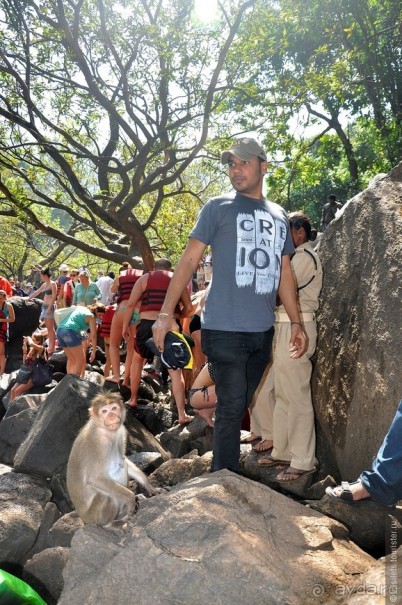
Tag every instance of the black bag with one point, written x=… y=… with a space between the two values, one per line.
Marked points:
x=42 y=372
x=24 y=374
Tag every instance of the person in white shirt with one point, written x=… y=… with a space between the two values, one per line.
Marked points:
x=104 y=282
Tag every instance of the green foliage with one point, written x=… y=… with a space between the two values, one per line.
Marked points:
x=106 y=104
x=113 y=114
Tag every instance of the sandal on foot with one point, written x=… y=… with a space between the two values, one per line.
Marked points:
x=346 y=493
x=261 y=447
x=295 y=475
x=269 y=461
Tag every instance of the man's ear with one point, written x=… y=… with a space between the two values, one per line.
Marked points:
x=263 y=167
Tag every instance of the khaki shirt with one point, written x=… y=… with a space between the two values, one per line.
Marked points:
x=304 y=270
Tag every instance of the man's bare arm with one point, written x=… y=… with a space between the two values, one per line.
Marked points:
x=181 y=276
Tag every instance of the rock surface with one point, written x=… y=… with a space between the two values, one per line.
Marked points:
x=221 y=539
x=356 y=381
x=23 y=501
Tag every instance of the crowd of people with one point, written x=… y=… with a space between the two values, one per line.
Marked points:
x=251 y=325
x=76 y=328
x=231 y=325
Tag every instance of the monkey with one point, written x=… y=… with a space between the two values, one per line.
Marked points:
x=98 y=470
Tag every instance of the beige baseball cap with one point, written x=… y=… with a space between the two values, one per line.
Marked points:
x=244 y=149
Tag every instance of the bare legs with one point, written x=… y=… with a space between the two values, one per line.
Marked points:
x=115 y=341
x=204 y=403
x=178 y=392
x=49 y=323
x=19 y=389
x=108 y=364
x=135 y=377
x=129 y=356
x=199 y=357
x=75 y=359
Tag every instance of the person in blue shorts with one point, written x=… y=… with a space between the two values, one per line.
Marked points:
x=72 y=332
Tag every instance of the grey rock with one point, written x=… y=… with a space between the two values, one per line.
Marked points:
x=139 y=439
x=147 y=461
x=47 y=447
x=356 y=380
x=378 y=585
x=13 y=432
x=155 y=417
x=220 y=538
x=60 y=493
x=179 y=440
x=180 y=470
x=22 y=504
x=44 y=572
x=25 y=402
x=26 y=321
x=50 y=515
x=63 y=530
x=368 y=522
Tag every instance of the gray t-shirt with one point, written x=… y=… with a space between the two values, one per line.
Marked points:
x=248 y=238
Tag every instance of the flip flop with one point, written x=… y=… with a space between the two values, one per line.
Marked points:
x=297 y=474
x=246 y=438
x=258 y=447
x=269 y=461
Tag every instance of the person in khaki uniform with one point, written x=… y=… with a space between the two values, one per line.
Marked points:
x=282 y=413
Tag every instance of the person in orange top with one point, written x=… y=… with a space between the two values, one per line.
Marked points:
x=6 y=316
x=6 y=286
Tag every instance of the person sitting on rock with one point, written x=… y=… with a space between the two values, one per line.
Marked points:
x=32 y=347
x=202 y=395
x=383 y=484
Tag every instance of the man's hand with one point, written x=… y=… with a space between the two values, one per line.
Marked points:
x=161 y=327
x=298 y=341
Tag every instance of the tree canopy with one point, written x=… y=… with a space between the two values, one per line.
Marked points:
x=112 y=113
x=104 y=105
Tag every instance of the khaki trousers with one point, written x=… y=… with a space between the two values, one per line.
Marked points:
x=282 y=409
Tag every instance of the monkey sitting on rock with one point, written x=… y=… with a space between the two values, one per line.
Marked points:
x=98 y=470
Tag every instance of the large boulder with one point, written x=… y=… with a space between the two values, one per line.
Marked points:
x=357 y=375
x=44 y=573
x=220 y=538
x=23 y=501
x=47 y=447
x=368 y=523
x=13 y=432
x=27 y=314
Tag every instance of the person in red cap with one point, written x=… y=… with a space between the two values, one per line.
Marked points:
x=251 y=249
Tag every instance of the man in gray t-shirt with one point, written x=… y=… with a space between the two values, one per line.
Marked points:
x=251 y=249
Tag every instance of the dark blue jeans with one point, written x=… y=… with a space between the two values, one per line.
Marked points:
x=384 y=482
x=238 y=362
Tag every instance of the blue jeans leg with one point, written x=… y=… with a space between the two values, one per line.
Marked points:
x=384 y=482
x=238 y=362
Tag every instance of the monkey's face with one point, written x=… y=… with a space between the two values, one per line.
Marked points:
x=111 y=416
